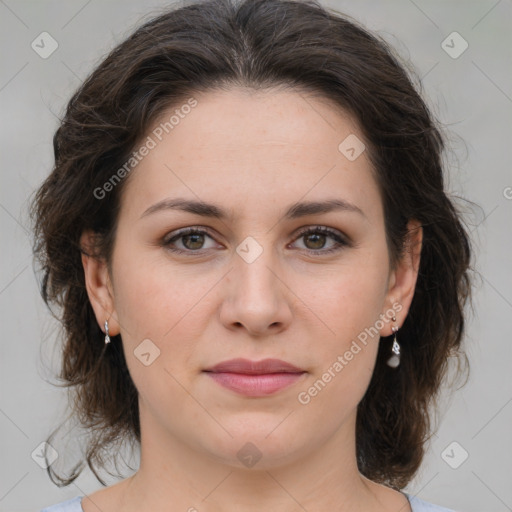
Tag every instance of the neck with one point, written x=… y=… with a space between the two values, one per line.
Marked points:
x=176 y=476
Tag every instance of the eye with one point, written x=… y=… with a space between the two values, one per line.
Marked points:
x=315 y=240
x=190 y=239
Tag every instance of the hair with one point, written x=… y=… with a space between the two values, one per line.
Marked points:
x=257 y=44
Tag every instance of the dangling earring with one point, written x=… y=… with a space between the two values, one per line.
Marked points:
x=394 y=360
x=107 y=337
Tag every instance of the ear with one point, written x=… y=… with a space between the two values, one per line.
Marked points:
x=98 y=284
x=402 y=281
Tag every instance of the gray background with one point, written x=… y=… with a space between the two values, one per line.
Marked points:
x=471 y=95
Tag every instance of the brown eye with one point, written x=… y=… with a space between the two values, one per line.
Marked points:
x=193 y=241
x=188 y=240
x=315 y=240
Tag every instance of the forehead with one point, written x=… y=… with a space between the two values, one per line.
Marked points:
x=241 y=144
x=239 y=118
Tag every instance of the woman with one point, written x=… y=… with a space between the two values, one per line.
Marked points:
x=261 y=276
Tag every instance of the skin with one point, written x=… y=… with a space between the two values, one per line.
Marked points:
x=254 y=154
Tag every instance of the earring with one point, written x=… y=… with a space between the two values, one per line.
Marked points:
x=394 y=360
x=107 y=337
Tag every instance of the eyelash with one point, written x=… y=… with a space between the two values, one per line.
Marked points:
x=341 y=242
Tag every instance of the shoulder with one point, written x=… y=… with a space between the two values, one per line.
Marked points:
x=72 y=505
x=418 y=505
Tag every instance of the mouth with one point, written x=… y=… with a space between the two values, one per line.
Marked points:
x=255 y=378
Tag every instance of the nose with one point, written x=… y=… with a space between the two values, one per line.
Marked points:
x=256 y=299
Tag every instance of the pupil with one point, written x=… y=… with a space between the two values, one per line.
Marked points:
x=319 y=238
x=196 y=236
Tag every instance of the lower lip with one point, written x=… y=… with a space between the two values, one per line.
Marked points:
x=255 y=385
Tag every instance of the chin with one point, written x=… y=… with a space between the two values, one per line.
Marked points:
x=258 y=448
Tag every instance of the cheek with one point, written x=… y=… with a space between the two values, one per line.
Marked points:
x=153 y=298
x=159 y=313
x=349 y=304
x=348 y=299
x=157 y=303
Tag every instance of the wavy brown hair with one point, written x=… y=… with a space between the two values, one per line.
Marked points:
x=257 y=44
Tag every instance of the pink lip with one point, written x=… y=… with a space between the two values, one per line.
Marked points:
x=249 y=367
x=255 y=378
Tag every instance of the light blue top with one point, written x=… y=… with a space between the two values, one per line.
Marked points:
x=417 y=505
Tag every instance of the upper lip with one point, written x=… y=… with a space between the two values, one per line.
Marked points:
x=249 y=367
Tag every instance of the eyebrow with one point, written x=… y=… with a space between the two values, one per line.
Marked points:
x=295 y=211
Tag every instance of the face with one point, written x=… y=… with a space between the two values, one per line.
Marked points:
x=265 y=277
